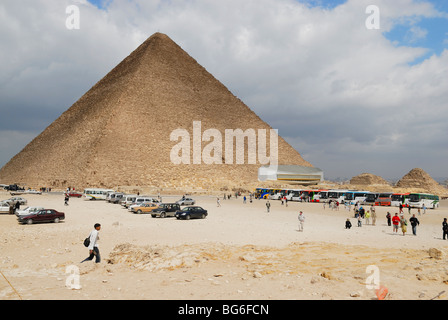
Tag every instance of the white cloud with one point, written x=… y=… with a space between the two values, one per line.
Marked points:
x=335 y=88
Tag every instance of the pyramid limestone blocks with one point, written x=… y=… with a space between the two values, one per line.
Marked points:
x=118 y=133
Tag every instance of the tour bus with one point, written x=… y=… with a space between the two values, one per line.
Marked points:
x=311 y=195
x=371 y=197
x=294 y=195
x=261 y=192
x=400 y=199
x=323 y=196
x=96 y=194
x=353 y=197
x=418 y=200
x=337 y=195
x=384 y=199
x=279 y=194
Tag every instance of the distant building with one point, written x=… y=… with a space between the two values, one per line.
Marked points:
x=291 y=173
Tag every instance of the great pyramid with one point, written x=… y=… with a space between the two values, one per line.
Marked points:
x=118 y=133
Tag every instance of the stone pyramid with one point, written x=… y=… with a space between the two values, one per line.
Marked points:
x=118 y=133
x=418 y=178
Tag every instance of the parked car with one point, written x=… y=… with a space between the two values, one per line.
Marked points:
x=128 y=199
x=4 y=207
x=186 y=202
x=19 y=200
x=28 y=211
x=165 y=210
x=143 y=199
x=75 y=194
x=145 y=207
x=114 y=197
x=46 y=215
x=191 y=212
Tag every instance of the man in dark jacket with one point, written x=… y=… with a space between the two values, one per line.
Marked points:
x=414 y=223
x=444 y=228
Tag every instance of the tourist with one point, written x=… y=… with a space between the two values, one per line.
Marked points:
x=218 y=202
x=359 y=220
x=268 y=206
x=404 y=225
x=395 y=222
x=445 y=228
x=93 y=245
x=388 y=216
x=348 y=224
x=414 y=223
x=301 y=221
x=424 y=209
x=367 y=216
x=373 y=214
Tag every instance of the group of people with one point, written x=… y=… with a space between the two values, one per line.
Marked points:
x=401 y=222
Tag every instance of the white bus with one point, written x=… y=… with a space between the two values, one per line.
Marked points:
x=96 y=194
x=336 y=195
x=354 y=197
x=400 y=199
x=418 y=200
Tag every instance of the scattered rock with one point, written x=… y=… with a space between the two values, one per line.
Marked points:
x=436 y=253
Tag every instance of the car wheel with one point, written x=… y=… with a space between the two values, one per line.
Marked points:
x=139 y=211
x=162 y=215
x=203 y=216
x=56 y=220
x=29 y=221
x=187 y=217
x=153 y=215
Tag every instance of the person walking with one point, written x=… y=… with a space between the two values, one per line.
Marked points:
x=93 y=245
x=395 y=222
x=268 y=206
x=373 y=213
x=445 y=228
x=389 y=220
x=404 y=225
x=218 y=202
x=301 y=221
x=414 y=223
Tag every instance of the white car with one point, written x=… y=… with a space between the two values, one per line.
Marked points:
x=28 y=210
x=186 y=202
x=19 y=200
x=4 y=207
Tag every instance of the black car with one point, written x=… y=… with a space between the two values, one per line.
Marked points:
x=191 y=212
x=165 y=210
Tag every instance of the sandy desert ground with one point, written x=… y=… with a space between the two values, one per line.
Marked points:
x=238 y=252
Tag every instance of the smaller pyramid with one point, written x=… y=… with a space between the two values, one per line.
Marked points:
x=368 y=179
x=419 y=179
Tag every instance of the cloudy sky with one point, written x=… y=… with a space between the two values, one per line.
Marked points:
x=353 y=90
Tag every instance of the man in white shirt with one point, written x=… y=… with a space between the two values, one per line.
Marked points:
x=93 y=246
x=301 y=221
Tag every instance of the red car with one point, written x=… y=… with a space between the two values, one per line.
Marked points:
x=46 y=215
x=74 y=194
